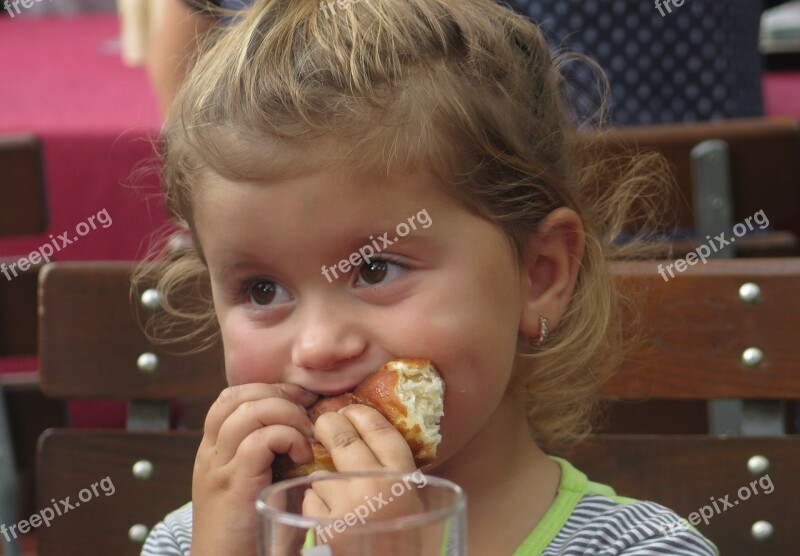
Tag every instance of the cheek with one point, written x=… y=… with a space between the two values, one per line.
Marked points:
x=471 y=326
x=474 y=342
x=249 y=356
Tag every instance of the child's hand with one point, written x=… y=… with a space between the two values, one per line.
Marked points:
x=244 y=429
x=359 y=438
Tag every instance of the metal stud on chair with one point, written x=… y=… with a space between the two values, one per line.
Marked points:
x=750 y=292
x=752 y=357
x=138 y=533
x=762 y=530
x=142 y=469
x=147 y=362
x=758 y=465
x=151 y=298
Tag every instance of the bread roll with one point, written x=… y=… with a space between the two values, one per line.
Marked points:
x=408 y=392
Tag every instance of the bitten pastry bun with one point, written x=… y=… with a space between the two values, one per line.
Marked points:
x=408 y=392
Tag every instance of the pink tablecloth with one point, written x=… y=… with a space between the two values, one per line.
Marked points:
x=62 y=79
x=782 y=94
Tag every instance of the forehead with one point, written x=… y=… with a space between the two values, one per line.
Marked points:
x=317 y=193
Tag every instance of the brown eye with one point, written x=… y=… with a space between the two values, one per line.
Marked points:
x=263 y=293
x=374 y=272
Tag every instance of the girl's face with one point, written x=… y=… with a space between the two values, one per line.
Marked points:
x=290 y=309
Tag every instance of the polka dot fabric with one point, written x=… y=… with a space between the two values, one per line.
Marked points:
x=700 y=62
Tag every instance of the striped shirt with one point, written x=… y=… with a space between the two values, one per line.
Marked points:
x=585 y=519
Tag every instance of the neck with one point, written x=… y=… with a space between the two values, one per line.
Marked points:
x=507 y=478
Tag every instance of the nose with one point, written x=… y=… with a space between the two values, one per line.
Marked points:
x=327 y=336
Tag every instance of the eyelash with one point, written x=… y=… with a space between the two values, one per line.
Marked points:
x=245 y=287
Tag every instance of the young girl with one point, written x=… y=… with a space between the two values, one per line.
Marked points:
x=300 y=137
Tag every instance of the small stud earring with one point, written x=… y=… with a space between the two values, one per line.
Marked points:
x=542 y=332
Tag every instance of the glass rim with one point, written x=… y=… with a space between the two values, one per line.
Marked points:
x=401 y=522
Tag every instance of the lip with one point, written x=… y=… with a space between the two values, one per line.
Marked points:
x=328 y=384
x=339 y=387
x=330 y=392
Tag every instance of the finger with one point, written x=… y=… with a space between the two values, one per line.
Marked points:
x=252 y=415
x=233 y=396
x=256 y=453
x=384 y=441
x=314 y=505
x=348 y=451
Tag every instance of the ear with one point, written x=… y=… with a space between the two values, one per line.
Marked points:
x=554 y=254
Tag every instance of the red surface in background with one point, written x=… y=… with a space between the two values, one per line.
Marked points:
x=62 y=79
x=782 y=94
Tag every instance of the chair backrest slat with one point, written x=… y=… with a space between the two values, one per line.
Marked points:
x=23 y=210
x=74 y=464
x=91 y=341
x=688 y=473
x=697 y=328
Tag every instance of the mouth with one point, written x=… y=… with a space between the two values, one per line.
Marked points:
x=332 y=392
x=336 y=386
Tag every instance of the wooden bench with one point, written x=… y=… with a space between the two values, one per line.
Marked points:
x=92 y=347
x=697 y=327
x=726 y=172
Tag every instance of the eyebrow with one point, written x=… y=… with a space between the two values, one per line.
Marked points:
x=245 y=263
x=237 y=266
x=413 y=236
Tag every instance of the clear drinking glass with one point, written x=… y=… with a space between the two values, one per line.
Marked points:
x=376 y=513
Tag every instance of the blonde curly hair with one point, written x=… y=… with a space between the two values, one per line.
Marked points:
x=469 y=90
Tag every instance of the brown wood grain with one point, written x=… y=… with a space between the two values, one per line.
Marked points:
x=685 y=472
x=695 y=329
x=70 y=461
x=91 y=337
x=764 y=157
x=18 y=318
x=23 y=210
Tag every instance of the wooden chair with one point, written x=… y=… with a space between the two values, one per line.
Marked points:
x=92 y=347
x=726 y=171
x=763 y=161
x=23 y=211
x=726 y=329
x=698 y=326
